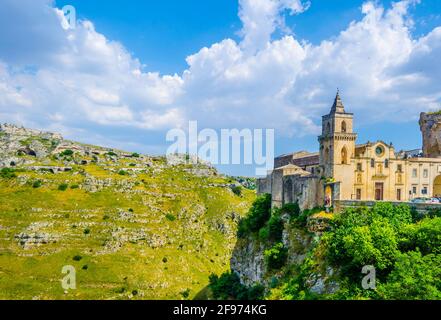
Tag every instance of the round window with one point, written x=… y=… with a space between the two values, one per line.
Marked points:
x=379 y=151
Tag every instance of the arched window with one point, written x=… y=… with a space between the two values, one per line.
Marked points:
x=326 y=154
x=380 y=168
x=343 y=126
x=359 y=179
x=344 y=156
x=328 y=128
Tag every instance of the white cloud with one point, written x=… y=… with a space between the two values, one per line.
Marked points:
x=260 y=18
x=79 y=79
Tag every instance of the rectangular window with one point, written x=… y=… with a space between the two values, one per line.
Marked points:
x=426 y=173
x=424 y=191
x=359 y=167
x=414 y=173
x=399 y=194
x=400 y=168
x=414 y=190
x=372 y=163
x=358 y=194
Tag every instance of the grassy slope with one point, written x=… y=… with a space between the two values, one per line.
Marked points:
x=124 y=251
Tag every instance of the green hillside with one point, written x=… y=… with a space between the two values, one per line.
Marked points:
x=133 y=226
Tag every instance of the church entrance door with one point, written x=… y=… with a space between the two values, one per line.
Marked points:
x=379 y=190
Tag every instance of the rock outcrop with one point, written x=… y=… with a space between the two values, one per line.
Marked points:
x=430 y=125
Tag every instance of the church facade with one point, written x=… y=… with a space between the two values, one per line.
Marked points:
x=345 y=170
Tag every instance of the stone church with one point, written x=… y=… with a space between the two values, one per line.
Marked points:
x=345 y=170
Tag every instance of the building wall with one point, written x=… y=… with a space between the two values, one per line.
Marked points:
x=307 y=191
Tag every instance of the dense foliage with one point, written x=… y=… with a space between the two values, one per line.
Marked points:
x=258 y=215
x=404 y=248
x=276 y=257
x=228 y=286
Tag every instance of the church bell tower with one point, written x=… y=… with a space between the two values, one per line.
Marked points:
x=337 y=146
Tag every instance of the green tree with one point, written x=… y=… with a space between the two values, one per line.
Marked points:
x=258 y=215
x=276 y=256
x=414 y=277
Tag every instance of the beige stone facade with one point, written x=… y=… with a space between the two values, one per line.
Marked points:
x=344 y=170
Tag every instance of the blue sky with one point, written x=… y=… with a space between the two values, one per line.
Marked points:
x=134 y=69
x=163 y=33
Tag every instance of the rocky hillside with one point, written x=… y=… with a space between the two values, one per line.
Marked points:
x=133 y=226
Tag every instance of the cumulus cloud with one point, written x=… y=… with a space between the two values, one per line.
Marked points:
x=78 y=80
x=260 y=18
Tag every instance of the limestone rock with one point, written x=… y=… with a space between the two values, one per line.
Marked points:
x=430 y=125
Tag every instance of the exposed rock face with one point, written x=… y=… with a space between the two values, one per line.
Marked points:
x=430 y=125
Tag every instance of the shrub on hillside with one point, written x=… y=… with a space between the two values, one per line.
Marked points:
x=275 y=257
x=37 y=184
x=67 y=153
x=258 y=215
x=293 y=209
x=237 y=190
x=275 y=228
x=228 y=286
x=63 y=187
x=7 y=173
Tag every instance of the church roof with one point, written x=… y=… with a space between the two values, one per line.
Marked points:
x=295 y=170
x=338 y=106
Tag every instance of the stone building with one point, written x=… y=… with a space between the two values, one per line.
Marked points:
x=344 y=170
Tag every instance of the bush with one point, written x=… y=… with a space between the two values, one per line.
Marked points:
x=275 y=257
x=293 y=209
x=7 y=173
x=228 y=286
x=258 y=215
x=77 y=258
x=135 y=155
x=237 y=190
x=275 y=228
x=63 y=187
x=86 y=231
x=424 y=236
x=264 y=234
x=74 y=186
x=111 y=154
x=170 y=217
x=301 y=219
x=67 y=153
x=185 y=294
x=122 y=173
x=37 y=184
